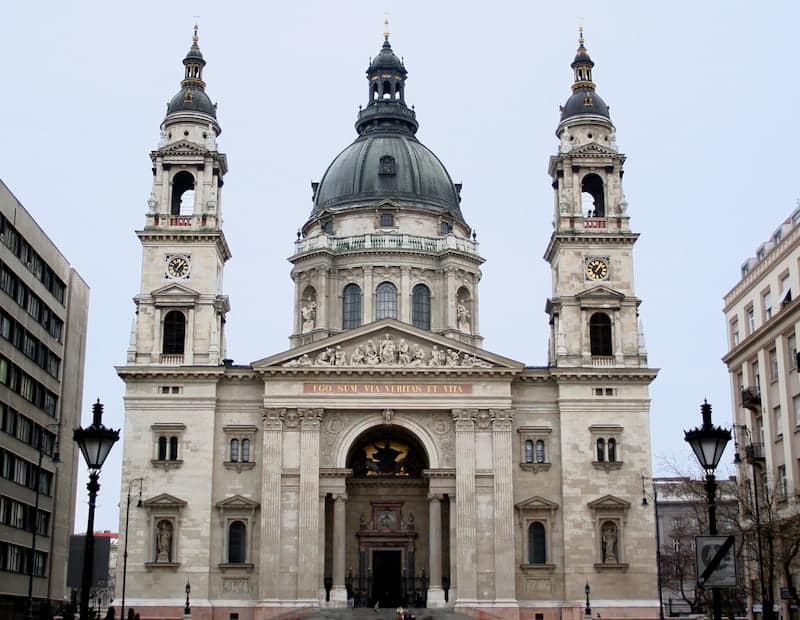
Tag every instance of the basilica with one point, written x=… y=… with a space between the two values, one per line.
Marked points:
x=387 y=457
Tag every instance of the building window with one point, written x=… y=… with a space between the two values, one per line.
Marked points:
x=601 y=450
x=734 y=332
x=600 y=334
x=239 y=440
x=174 y=333
x=326 y=227
x=537 y=544
x=533 y=446
x=612 y=450
x=167 y=439
x=606 y=445
x=237 y=534
x=777 y=418
x=796 y=404
x=351 y=306
x=767 y=301
x=751 y=320
x=773 y=364
x=387 y=165
x=446 y=228
x=783 y=484
x=791 y=346
x=421 y=307
x=386 y=220
x=386 y=301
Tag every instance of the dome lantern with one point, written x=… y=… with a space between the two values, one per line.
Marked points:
x=192 y=97
x=584 y=99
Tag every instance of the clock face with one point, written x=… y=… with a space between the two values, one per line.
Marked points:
x=178 y=267
x=597 y=269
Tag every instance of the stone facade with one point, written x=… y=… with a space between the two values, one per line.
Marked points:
x=386 y=456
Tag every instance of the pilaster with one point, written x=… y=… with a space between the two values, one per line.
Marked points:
x=270 y=550
x=308 y=517
x=464 y=420
x=504 y=580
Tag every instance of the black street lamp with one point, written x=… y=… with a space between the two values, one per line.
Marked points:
x=95 y=443
x=187 y=611
x=588 y=611
x=138 y=481
x=708 y=443
x=35 y=521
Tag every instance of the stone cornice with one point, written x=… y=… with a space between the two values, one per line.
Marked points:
x=159 y=234
x=198 y=374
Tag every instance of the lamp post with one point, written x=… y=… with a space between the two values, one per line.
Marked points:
x=658 y=544
x=708 y=443
x=34 y=525
x=588 y=611
x=752 y=459
x=95 y=443
x=187 y=611
x=138 y=481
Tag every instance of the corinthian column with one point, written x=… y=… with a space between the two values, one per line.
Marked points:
x=270 y=549
x=308 y=513
x=435 y=591
x=467 y=575
x=504 y=582
x=338 y=591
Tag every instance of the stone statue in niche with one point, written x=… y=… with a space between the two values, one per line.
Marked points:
x=462 y=317
x=164 y=542
x=309 y=313
x=563 y=202
x=623 y=203
x=609 y=542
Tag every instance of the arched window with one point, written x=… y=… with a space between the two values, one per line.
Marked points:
x=234 y=450
x=539 y=451
x=528 y=451
x=174 y=333
x=600 y=334
x=421 y=307
x=592 y=196
x=537 y=546
x=601 y=450
x=245 y=450
x=162 y=448
x=173 y=448
x=351 y=306
x=386 y=301
x=237 y=537
x=182 y=194
x=387 y=89
x=612 y=450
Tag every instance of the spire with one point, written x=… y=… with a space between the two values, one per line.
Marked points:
x=386 y=106
x=582 y=66
x=192 y=96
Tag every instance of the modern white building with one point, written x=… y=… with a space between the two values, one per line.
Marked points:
x=387 y=456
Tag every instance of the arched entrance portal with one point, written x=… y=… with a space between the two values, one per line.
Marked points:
x=387 y=543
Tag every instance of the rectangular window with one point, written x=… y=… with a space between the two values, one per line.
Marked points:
x=783 y=485
x=796 y=404
x=734 y=332
x=751 y=320
x=791 y=346
x=777 y=418
x=773 y=365
x=756 y=376
x=767 y=301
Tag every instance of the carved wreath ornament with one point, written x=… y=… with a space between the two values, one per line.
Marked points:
x=390 y=352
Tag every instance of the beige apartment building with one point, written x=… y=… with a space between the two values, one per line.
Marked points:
x=388 y=457
x=43 y=314
x=762 y=314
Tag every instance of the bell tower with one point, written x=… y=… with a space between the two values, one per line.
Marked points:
x=593 y=309
x=180 y=310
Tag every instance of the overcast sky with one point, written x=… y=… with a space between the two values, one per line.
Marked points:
x=703 y=96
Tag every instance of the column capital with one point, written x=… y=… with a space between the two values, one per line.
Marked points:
x=273 y=419
x=501 y=419
x=310 y=418
x=340 y=497
x=464 y=419
x=435 y=497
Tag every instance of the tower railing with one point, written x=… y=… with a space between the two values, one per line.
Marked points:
x=379 y=241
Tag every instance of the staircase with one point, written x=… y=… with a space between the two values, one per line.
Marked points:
x=368 y=613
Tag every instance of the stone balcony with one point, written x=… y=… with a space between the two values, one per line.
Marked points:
x=360 y=243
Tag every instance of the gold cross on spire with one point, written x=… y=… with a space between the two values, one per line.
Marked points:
x=386 y=26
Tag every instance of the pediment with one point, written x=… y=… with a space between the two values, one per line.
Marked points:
x=537 y=504
x=165 y=500
x=183 y=148
x=609 y=503
x=593 y=149
x=388 y=345
x=600 y=293
x=237 y=502
x=174 y=291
